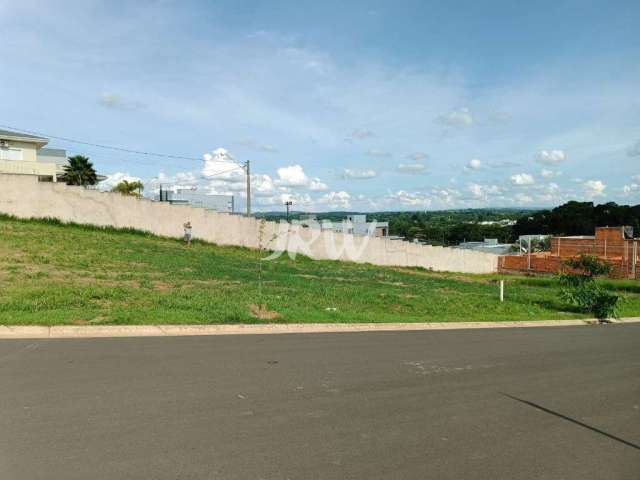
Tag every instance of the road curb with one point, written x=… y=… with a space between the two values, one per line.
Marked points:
x=105 y=331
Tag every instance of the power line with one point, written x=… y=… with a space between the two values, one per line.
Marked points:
x=111 y=147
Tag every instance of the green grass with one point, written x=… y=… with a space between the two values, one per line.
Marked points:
x=51 y=273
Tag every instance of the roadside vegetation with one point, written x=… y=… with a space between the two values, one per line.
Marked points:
x=52 y=273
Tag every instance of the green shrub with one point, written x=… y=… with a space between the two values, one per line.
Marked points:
x=579 y=287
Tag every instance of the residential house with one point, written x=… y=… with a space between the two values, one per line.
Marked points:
x=22 y=154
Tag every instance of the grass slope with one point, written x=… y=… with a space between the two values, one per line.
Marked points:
x=70 y=274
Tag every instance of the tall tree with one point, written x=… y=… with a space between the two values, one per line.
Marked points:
x=129 y=188
x=79 y=171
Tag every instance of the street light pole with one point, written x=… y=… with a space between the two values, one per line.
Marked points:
x=247 y=168
x=288 y=204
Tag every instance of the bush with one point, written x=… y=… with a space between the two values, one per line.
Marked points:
x=579 y=287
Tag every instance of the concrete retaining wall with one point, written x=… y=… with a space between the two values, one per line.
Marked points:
x=25 y=197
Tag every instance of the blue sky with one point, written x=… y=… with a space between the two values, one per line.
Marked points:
x=340 y=105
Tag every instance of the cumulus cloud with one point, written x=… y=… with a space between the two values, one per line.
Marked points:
x=458 y=118
x=294 y=176
x=336 y=200
x=631 y=189
x=551 y=157
x=262 y=185
x=522 y=179
x=412 y=168
x=376 y=152
x=474 y=164
x=594 y=188
x=357 y=174
x=114 y=179
x=409 y=199
x=221 y=166
x=634 y=150
x=315 y=185
x=483 y=191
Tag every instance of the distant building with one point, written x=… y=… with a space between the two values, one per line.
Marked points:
x=358 y=225
x=198 y=199
x=489 y=245
x=22 y=154
x=353 y=224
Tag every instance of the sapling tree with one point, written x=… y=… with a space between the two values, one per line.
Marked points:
x=579 y=287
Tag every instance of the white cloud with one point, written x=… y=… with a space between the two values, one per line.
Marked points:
x=412 y=168
x=357 y=174
x=634 y=150
x=483 y=191
x=474 y=164
x=336 y=200
x=631 y=189
x=550 y=173
x=300 y=200
x=409 y=199
x=551 y=157
x=114 y=179
x=262 y=186
x=523 y=198
x=521 y=179
x=458 y=118
x=594 y=188
x=222 y=167
x=292 y=176
x=376 y=152
x=315 y=185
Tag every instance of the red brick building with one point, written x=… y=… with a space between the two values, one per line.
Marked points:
x=615 y=245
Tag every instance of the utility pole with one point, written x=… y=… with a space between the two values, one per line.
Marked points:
x=247 y=168
x=288 y=204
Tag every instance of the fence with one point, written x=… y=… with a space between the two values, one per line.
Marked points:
x=622 y=255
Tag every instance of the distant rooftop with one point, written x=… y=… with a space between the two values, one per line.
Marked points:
x=8 y=134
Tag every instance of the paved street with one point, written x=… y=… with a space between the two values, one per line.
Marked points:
x=540 y=403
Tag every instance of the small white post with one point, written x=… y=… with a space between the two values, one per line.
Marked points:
x=501 y=290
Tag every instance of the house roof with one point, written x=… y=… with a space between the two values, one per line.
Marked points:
x=22 y=137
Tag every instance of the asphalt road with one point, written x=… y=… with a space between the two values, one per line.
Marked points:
x=542 y=403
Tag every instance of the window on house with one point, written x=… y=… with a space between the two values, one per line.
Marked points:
x=10 y=154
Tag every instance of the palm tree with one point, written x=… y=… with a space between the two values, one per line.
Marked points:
x=129 y=188
x=79 y=171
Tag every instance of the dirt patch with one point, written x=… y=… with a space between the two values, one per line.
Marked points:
x=262 y=312
x=162 y=286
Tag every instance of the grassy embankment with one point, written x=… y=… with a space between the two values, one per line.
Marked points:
x=70 y=274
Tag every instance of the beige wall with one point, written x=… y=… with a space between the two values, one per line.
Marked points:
x=24 y=197
x=29 y=150
x=29 y=165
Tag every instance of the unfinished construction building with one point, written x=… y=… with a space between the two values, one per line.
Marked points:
x=616 y=245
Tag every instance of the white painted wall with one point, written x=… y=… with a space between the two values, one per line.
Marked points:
x=24 y=197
